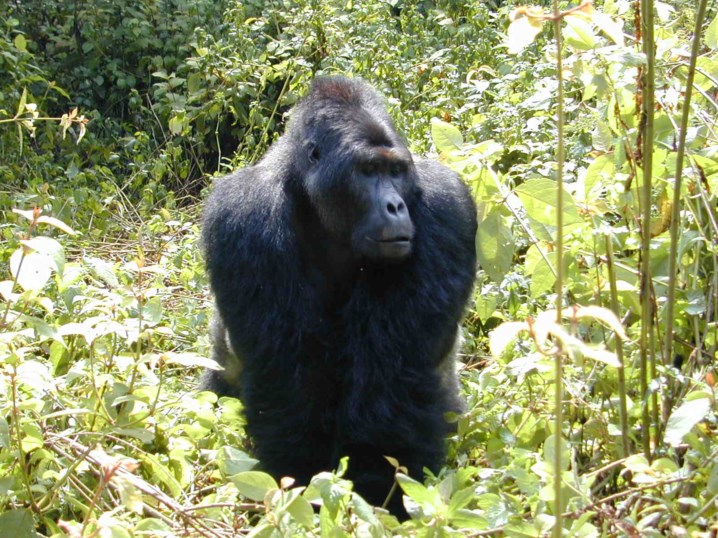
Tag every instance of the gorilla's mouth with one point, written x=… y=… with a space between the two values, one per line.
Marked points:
x=393 y=248
x=403 y=239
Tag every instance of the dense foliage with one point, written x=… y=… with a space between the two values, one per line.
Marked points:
x=113 y=117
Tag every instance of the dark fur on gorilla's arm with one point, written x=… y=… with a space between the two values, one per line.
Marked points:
x=335 y=353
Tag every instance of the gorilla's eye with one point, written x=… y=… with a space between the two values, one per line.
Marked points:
x=396 y=169
x=313 y=153
x=367 y=168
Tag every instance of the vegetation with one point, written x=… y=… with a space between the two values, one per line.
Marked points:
x=587 y=134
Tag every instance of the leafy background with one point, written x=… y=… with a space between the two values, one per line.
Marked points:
x=115 y=115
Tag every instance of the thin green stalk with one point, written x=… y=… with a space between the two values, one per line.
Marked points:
x=622 y=407
x=675 y=211
x=558 y=364
x=647 y=363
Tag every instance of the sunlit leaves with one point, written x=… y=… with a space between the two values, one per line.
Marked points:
x=254 y=485
x=550 y=337
x=495 y=245
x=685 y=417
x=539 y=198
x=526 y=24
x=446 y=137
x=711 y=37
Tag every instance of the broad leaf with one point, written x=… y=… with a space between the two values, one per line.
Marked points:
x=447 y=138
x=254 y=484
x=685 y=417
x=495 y=245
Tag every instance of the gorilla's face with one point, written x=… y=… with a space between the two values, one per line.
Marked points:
x=384 y=230
x=361 y=183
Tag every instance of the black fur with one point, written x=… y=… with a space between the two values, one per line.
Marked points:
x=335 y=345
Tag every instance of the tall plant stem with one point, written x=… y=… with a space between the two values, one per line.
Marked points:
x=622 y=406
x=558 y=365
x=675 y=210
x=647 y=349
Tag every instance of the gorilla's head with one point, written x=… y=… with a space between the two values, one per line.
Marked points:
x=356 y=172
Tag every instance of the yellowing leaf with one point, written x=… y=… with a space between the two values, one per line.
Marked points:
x=526 y=24
x=503 y=335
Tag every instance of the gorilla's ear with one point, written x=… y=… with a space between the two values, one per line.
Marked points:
x=313 y=152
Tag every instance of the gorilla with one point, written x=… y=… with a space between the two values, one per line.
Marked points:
x=341 y=265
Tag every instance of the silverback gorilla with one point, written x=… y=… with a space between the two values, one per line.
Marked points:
x=341 y=265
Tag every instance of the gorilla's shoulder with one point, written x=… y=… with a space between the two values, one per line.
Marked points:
x=248 y=205
x=445 y=197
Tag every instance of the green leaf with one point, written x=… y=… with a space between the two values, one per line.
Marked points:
x=685 y=417
x=21 y=107
x=103 y=270
x=264 y=530
x=543 y=275
x=231 y=461
x=20 y=42
x=153 y=527
x=578 y=33
x=178 y=123
x=43 y=329
x=613 y=29
x=254 y=484
x=549 y=452
x=468 y=519
x=495 y=245
x=194 y=83
x=447 y=138
x=4 y=433
x=538 y=197
x=301 y=511
x=17 y=523
x=599 y=172
x=417 y=491
x=711 y=38
x=461 y=499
